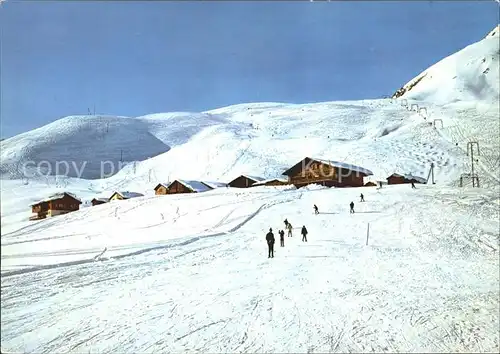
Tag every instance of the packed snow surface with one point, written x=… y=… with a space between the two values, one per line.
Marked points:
x=412 y=270
x=426 y=281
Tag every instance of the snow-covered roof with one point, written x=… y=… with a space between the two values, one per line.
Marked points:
x=395 y=174
x=416 y=178
x=374 y=178
x=128 y=195
x=101 y=199
x=409 y=176
x=345 y=166
x=57 y=196
x=162 y=184
x=196 y=186
x=214 y=185
x=284 y=180
x=254 y=178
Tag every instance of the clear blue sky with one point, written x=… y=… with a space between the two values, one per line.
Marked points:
x=133 y=58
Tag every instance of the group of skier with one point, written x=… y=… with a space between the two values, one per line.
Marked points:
x=270 y=236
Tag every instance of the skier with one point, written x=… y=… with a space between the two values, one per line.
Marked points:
x=362 y=197
x=282 y=238
x=286 y=223
x=289 y=227
x=316 y=209
x=270 y=243
x=413 y=185
x=304 y=233
x=352 y=208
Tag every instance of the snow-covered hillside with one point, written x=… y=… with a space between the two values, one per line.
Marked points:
x=93 y=147
x=471 y=74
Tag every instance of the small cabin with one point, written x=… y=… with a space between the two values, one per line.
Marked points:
x=272 y=182
x=161 y=188
x=245 y=181
x=416 y=179
x=179 y=186
x=99 y=201
x=374 y=181
x=327 y=173
x=397 y=178
x=56 y=204
x=124 y=195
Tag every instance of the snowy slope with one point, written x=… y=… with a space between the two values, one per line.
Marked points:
x=87 y=142
x=469 y=75
x=375 y=134
x=427 y=281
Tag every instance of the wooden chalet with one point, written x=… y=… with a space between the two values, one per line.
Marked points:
x=57 y=204
x=179 y=186
x=397 y=178
x=272 y=182
x=124 y=195
x=161 y=188
x=99 y=201
x=326 y=173
x=416 y=179
x=245 y=181
x=374 y=181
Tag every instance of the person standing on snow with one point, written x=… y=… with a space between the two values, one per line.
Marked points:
x=413 y=185
x=352 y=208
x=316 y=209
x=286 y=223
x=270 y=243
x=362 y=197
x=282 y=238
x=304 y=233
x=289 y=227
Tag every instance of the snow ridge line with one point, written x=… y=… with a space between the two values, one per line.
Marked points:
x=184 y=243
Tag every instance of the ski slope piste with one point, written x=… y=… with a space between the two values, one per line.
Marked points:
x=411 y=270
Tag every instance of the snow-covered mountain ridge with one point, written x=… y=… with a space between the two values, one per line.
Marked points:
x=468 y=75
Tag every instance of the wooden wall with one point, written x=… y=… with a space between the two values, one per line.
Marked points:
x=241 y=182
x=328 y=176
x=176 y=188
x=161 y=190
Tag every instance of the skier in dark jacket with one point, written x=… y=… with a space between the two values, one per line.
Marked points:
x=286 y=223
x=352 y=208
x=413 y=185
x=282 y=238
x=362 y=197
x=304 y=233
x=270 y=243
x=316 y=209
